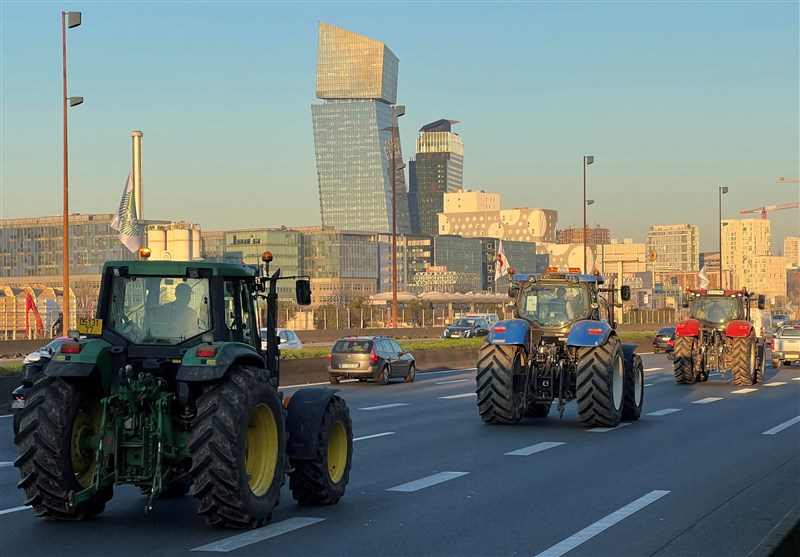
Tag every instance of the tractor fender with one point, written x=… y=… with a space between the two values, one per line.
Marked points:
x=510 y=331
x=738 y=328
x=688 y=328
x=199 y=368
x=589 y=333
x=304 y=413
x=94 y=357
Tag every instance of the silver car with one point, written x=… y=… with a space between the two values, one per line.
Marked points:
x=287 y=339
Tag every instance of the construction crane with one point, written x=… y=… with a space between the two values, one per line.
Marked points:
x=763 y=210
x=783 y=180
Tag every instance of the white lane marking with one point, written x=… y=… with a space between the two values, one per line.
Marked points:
x=422 y=483
x=4 y=464
x=706 y=400
x=452 y=381
x=781 y=427
x=775 y=384
x=795 y=378
x=385 y=406
x=653 y=368
x=260 y=534
x=603 y=524
x=373 y=436
x=663 y=412
x=743 y=391
x=607 y=429
x=14 y=509
x=463 y=395
x=525 y=451
x=7 y=416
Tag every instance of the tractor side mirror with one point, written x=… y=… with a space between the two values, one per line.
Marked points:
x=302 y=289
x=685 y=303
x=625 y=292
x=762 y=301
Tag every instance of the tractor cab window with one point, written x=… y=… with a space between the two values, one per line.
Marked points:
x=239 y=315
x=159 y=310
x=554 y=305
x=717 y=310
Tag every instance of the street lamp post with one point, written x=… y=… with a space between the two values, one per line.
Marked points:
x=587 y=160
x=68 y=20
x=397 y=111
x=722 y=190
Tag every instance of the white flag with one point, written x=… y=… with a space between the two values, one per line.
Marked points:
x=703 y=278
x=126 y=221
x=501 y=267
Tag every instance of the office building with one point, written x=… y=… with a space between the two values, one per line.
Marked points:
x=673 y=247
x=437 y=169
x=353 y=132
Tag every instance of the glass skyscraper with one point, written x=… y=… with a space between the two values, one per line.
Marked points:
x=357 y=79
x=438 y=169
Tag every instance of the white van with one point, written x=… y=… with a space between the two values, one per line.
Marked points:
x=492 y=318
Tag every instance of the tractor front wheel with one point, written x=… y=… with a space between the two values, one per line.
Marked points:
x=322 y=480
x=239 y=450
x=634 y=390
x=58 y=440
x=601 y=384
x=498 y=401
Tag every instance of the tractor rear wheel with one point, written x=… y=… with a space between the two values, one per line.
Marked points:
x=58 y=439
x=498 y=401
x=239 y=450
x=322 y=480
x=601 y=384
x=682 y=364
x=634 y=390
x=743 y=360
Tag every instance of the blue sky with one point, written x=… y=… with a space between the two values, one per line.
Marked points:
x=673 y=99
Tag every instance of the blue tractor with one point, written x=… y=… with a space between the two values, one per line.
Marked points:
x=561 y=345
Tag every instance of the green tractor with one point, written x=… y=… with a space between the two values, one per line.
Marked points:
x=168 y=387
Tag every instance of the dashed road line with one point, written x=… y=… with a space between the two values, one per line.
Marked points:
x=653 y=368
x=601 y=525
x=373 y=436
x=775 y=384
x=706 y=400
x=663 y=412
x=422 y=483
x=385 y=406
x=5 y=464
x=259 y=534
x=744 y=391
x=462 y=395
x=452 y=381
x=539 y=447
x=781 y=427
x=607 y=429
x=795 y=378
x=15 y=509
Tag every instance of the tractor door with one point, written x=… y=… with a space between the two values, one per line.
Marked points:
x=240 y=315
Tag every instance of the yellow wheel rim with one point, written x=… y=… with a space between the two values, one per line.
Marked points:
x=337 y=452
x=261 y=457
x=84 y=441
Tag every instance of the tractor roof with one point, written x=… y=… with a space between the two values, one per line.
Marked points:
x=183 y=268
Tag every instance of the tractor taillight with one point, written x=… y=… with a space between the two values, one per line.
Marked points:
x=595 y=331
x=71 y=348
x=500 y=329
x=206 y=351
x=772 y=344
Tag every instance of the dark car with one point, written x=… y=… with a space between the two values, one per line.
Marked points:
x=670 y=349
x=377 y=358
x=467 y=327
x=780 y=319
x=32 y=367
x=662 y=337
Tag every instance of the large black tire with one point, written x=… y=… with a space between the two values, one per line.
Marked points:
x=743 y=360
x=634 y=390
x=601 y=384
x=322 y=480
x=239 y=450
x=682 y=364
x=58 y=440
x=498 y=402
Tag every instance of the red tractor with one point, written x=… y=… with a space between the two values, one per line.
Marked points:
x=718 y=336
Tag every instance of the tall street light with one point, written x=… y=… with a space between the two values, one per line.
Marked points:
x=722 y=190
x=68 y=20
x=587 y=160
x=397 y=111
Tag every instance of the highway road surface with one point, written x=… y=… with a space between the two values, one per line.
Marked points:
x=708 y=470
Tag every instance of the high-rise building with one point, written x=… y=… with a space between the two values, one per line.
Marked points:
x=791 y=250
x=353 y=132
x=673 y=247
x=746 y=259
x=437 y=169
